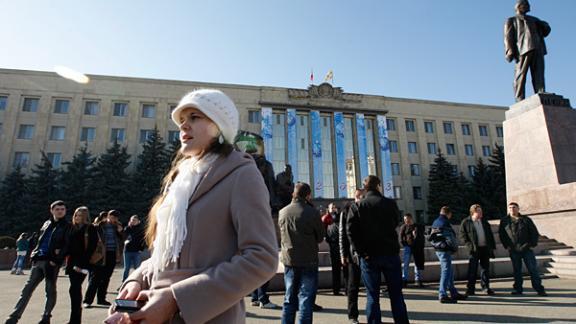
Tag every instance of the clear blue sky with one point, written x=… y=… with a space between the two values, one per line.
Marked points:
x=450 y=50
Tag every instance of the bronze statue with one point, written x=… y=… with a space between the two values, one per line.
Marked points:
x=524 y=42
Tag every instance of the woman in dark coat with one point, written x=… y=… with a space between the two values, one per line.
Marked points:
x=83 y=239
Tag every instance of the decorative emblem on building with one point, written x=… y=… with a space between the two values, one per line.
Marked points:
x=323 y=91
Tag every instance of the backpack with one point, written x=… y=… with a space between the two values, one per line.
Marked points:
x=97 y=256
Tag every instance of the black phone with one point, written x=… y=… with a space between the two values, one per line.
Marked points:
x=128 y=306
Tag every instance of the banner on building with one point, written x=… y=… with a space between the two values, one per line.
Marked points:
x=292 y=139
x=266 y=132
x=340 y=158
x=362 y=153
x=388 y=184
x=318 y=174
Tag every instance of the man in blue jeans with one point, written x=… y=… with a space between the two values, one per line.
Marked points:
x=133 y=245
x=300 y=232
x=445 y=243
x=519 y=235
x=371 y=230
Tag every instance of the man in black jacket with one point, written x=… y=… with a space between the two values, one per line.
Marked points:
x=47 y=257
x=519 y=235
x=476 y=233
x=372 y=233
x=333 y=240
x=133 y=245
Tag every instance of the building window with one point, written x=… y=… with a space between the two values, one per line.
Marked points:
x=21 y=159
x=3 y=102
x=26 y=132
x=415 y=170
x=431 y=148
x=302 y=120
x=465 y=129
x=499 y=131
x=412 y=148
x=57 y=133
x=30 y=105
x=483 y=130
x=148 y=111
x=469 y=149
x=429 y=127
x=454 y=170
x=395 y=169
x=55 y=159
x=410 y=127
x=61 y=106
x=349 y=156
x=471 y=171
x=450 y=149
x=393 y=146
x=117 y=135
x=397 y=192
x=87 y=134
x=279 y=143
x=327 y=165
x=448 y=128
x=171 y=108
x=390 y=124
x=417 y=191
x=486 y=150
x=420 y=216
x=120 y=109
x=254 y=116
x=91 y=108
x=173 y=136
x=145 y=134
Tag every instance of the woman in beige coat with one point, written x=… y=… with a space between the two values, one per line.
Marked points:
x=211 y=230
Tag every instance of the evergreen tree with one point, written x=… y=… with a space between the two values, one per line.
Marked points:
x=43 y=189
x=13 y=204
x=111 y=184
x=446 y=188
x=498 y=169
x=173 y=149
x=483 y=184
x=76 y=179
x=153 y=163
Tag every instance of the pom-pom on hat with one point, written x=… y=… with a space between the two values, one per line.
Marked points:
x=215 y=105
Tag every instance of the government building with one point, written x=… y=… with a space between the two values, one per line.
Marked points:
x=331 y=138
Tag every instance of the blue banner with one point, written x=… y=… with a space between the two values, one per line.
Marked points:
x=340 y=158
x=317 y=153
x=266 y=132
x=362 y=154
x=388 y=184
x=292 y=140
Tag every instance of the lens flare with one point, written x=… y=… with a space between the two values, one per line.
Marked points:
x=70 y=74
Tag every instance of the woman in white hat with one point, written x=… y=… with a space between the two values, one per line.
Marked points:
x=212 y=237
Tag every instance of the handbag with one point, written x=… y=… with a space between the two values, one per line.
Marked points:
x=99 y=252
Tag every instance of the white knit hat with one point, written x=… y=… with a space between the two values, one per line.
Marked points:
x=215 y=105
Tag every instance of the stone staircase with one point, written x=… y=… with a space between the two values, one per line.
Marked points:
x=563 y=263
x=552 y=257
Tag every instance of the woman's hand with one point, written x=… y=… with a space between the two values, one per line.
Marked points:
x=129 y=291
x=161 y=306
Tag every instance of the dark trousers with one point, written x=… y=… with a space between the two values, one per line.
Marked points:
x=532 y=266
x=336 y=267
x=372 y=269
x=100 y=279
x=76 y=279
x=261 y=294
x=482 y=256
x=352 y=283
x=41 y=270
x=533 y=60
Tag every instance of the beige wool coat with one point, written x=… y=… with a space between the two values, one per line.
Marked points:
x=230 y=247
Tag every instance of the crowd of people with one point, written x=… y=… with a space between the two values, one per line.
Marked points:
x=213 y=241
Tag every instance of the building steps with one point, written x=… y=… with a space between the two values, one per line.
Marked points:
x=563 y=263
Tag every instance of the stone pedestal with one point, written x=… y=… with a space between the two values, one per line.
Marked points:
x=540 y=150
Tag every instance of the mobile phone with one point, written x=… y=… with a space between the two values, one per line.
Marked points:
x=128 y=306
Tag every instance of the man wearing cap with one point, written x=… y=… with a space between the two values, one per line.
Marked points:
x=524 y=43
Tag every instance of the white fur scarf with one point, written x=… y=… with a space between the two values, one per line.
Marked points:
x=171 y=216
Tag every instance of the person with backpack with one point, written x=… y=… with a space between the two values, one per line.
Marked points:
x=444 y=241
x=83 y=239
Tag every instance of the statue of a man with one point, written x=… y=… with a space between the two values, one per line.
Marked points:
x=524 y=42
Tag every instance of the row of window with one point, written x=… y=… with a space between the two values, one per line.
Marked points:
x=429 y=127
x=91 y=107
x=22 y=159
x=88 y=134
x=432 y=148
x=415 y=170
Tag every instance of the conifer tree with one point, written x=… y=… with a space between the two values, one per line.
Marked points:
x=111 y=186
x=498 y=169
x=76 y=180
x=43 y=189
x=152 y=165
x=13 y=204
x=445 y=188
